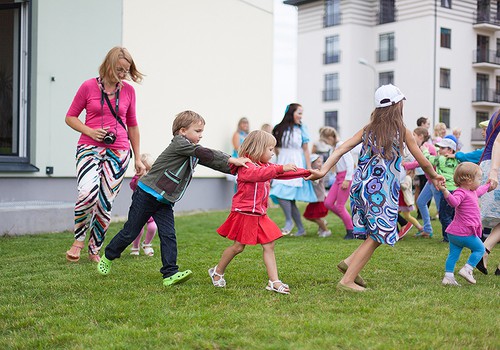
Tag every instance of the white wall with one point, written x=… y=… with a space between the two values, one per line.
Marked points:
x=213 y=57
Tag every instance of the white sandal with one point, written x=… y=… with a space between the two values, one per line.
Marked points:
x=221 y=282
x=148 y=249
x=280 y=289
x=134 y=251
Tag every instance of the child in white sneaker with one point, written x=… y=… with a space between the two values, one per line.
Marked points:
x=316 y=211
x=248 y=222
x=465 y=229
x=151 y=227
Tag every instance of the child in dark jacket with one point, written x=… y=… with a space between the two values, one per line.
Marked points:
x=248 y=222
x=164 y=185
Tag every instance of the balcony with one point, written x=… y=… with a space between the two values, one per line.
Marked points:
x=485 y=98
x=333 y=57
x=476 y=136
x=486 y=21
x=486 y=59
x=386 y=55
x=331 y=95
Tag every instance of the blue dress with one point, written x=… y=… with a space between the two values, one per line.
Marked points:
x=291 y=152
x=374 y=195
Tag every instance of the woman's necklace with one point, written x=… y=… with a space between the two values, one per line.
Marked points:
x=101 y=85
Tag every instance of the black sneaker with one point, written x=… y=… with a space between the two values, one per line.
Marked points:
x=480 y=267
x=497 y=272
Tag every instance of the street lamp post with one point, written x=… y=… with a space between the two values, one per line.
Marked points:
x=365 y=63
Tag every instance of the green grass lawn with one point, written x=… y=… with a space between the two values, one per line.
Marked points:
x=48 y=303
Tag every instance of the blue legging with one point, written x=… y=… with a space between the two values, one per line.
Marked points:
x=457 y=243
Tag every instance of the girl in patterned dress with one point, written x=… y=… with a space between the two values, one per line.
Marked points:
x=376 y=182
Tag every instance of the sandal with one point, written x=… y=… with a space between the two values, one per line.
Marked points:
x=74 y=257
x=104 y=266
x=342 y=267
x=179 y=277
x=134 y=251
x=94 y=258
x=221 y=282
x=147 y=248
x=281 y=289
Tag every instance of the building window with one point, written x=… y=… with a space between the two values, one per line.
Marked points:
x=387 y=12
x=482 y=84
x=446 y=4
x=331 y=119
x=444 y=78
x=386 y=48
x=446 y=38
x=332 y=91
x=332 y=13
x=444 y=116
x=385 y=78
x=483 y=11
x=14 y=29
x=332 y=52
x=481 y=117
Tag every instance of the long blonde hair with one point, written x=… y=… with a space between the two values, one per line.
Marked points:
x=107 y=70
x=255 y=144
x=386 y=127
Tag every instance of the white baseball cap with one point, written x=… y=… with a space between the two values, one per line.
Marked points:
x=446 y=142
x=388 y=95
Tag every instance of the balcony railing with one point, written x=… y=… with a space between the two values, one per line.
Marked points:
x=333 y=57
x=485 y=17
x=476 y=135
x=331 y=95
x=486 y=56
x=386 y=55
x=486 y=95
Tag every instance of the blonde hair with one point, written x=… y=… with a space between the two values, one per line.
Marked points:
x=439 y=127
x=267 y=127
x=386 y=128
x=465 y=173
x=185 y=120
x=327 y=131
x=107 y=70
x=147 y=159
x=255 y=144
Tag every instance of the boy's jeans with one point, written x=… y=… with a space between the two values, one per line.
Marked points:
x=142 y=208
x=424 y=197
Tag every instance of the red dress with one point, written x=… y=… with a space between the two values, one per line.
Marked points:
x=248 y=222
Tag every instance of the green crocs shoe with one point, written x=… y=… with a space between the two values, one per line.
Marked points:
x=179 y=277
x=104 y=266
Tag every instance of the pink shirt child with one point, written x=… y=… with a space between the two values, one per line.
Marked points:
x=467 y=220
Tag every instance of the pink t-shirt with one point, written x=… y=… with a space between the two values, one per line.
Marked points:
x=88 y=98
x=467 y=220
x=414 y=164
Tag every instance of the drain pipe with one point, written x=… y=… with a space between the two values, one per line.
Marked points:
x=434 y=68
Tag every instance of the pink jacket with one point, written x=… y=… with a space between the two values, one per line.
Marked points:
x=254 y=183
x=467 y=219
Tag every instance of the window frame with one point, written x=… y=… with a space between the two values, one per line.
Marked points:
x=445 y=38
x=18 y=158
x=445 y=78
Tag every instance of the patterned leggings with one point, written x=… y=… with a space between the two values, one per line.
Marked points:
x=100 y=172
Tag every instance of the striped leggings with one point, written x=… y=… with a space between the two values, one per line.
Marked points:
x=100 y=172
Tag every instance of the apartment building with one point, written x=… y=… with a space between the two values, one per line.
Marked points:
x=443 y=54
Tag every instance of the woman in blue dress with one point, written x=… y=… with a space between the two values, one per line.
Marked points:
x=292 y=147
x=376 y=181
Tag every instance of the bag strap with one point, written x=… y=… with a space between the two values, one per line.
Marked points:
x=112 y=110
x=496 y=126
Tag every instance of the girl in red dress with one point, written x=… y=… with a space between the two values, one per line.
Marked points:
x=248 y=222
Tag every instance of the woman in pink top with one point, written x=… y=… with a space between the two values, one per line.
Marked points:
x=465 y=229
x=103 y=151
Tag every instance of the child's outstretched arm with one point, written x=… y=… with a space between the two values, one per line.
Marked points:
x=424 y=163
x=335 y=156
x=241 y=161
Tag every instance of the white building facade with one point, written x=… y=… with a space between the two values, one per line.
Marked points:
x=444 y=55
x=205 y=56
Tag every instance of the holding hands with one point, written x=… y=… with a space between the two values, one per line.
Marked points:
x=493 y=179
